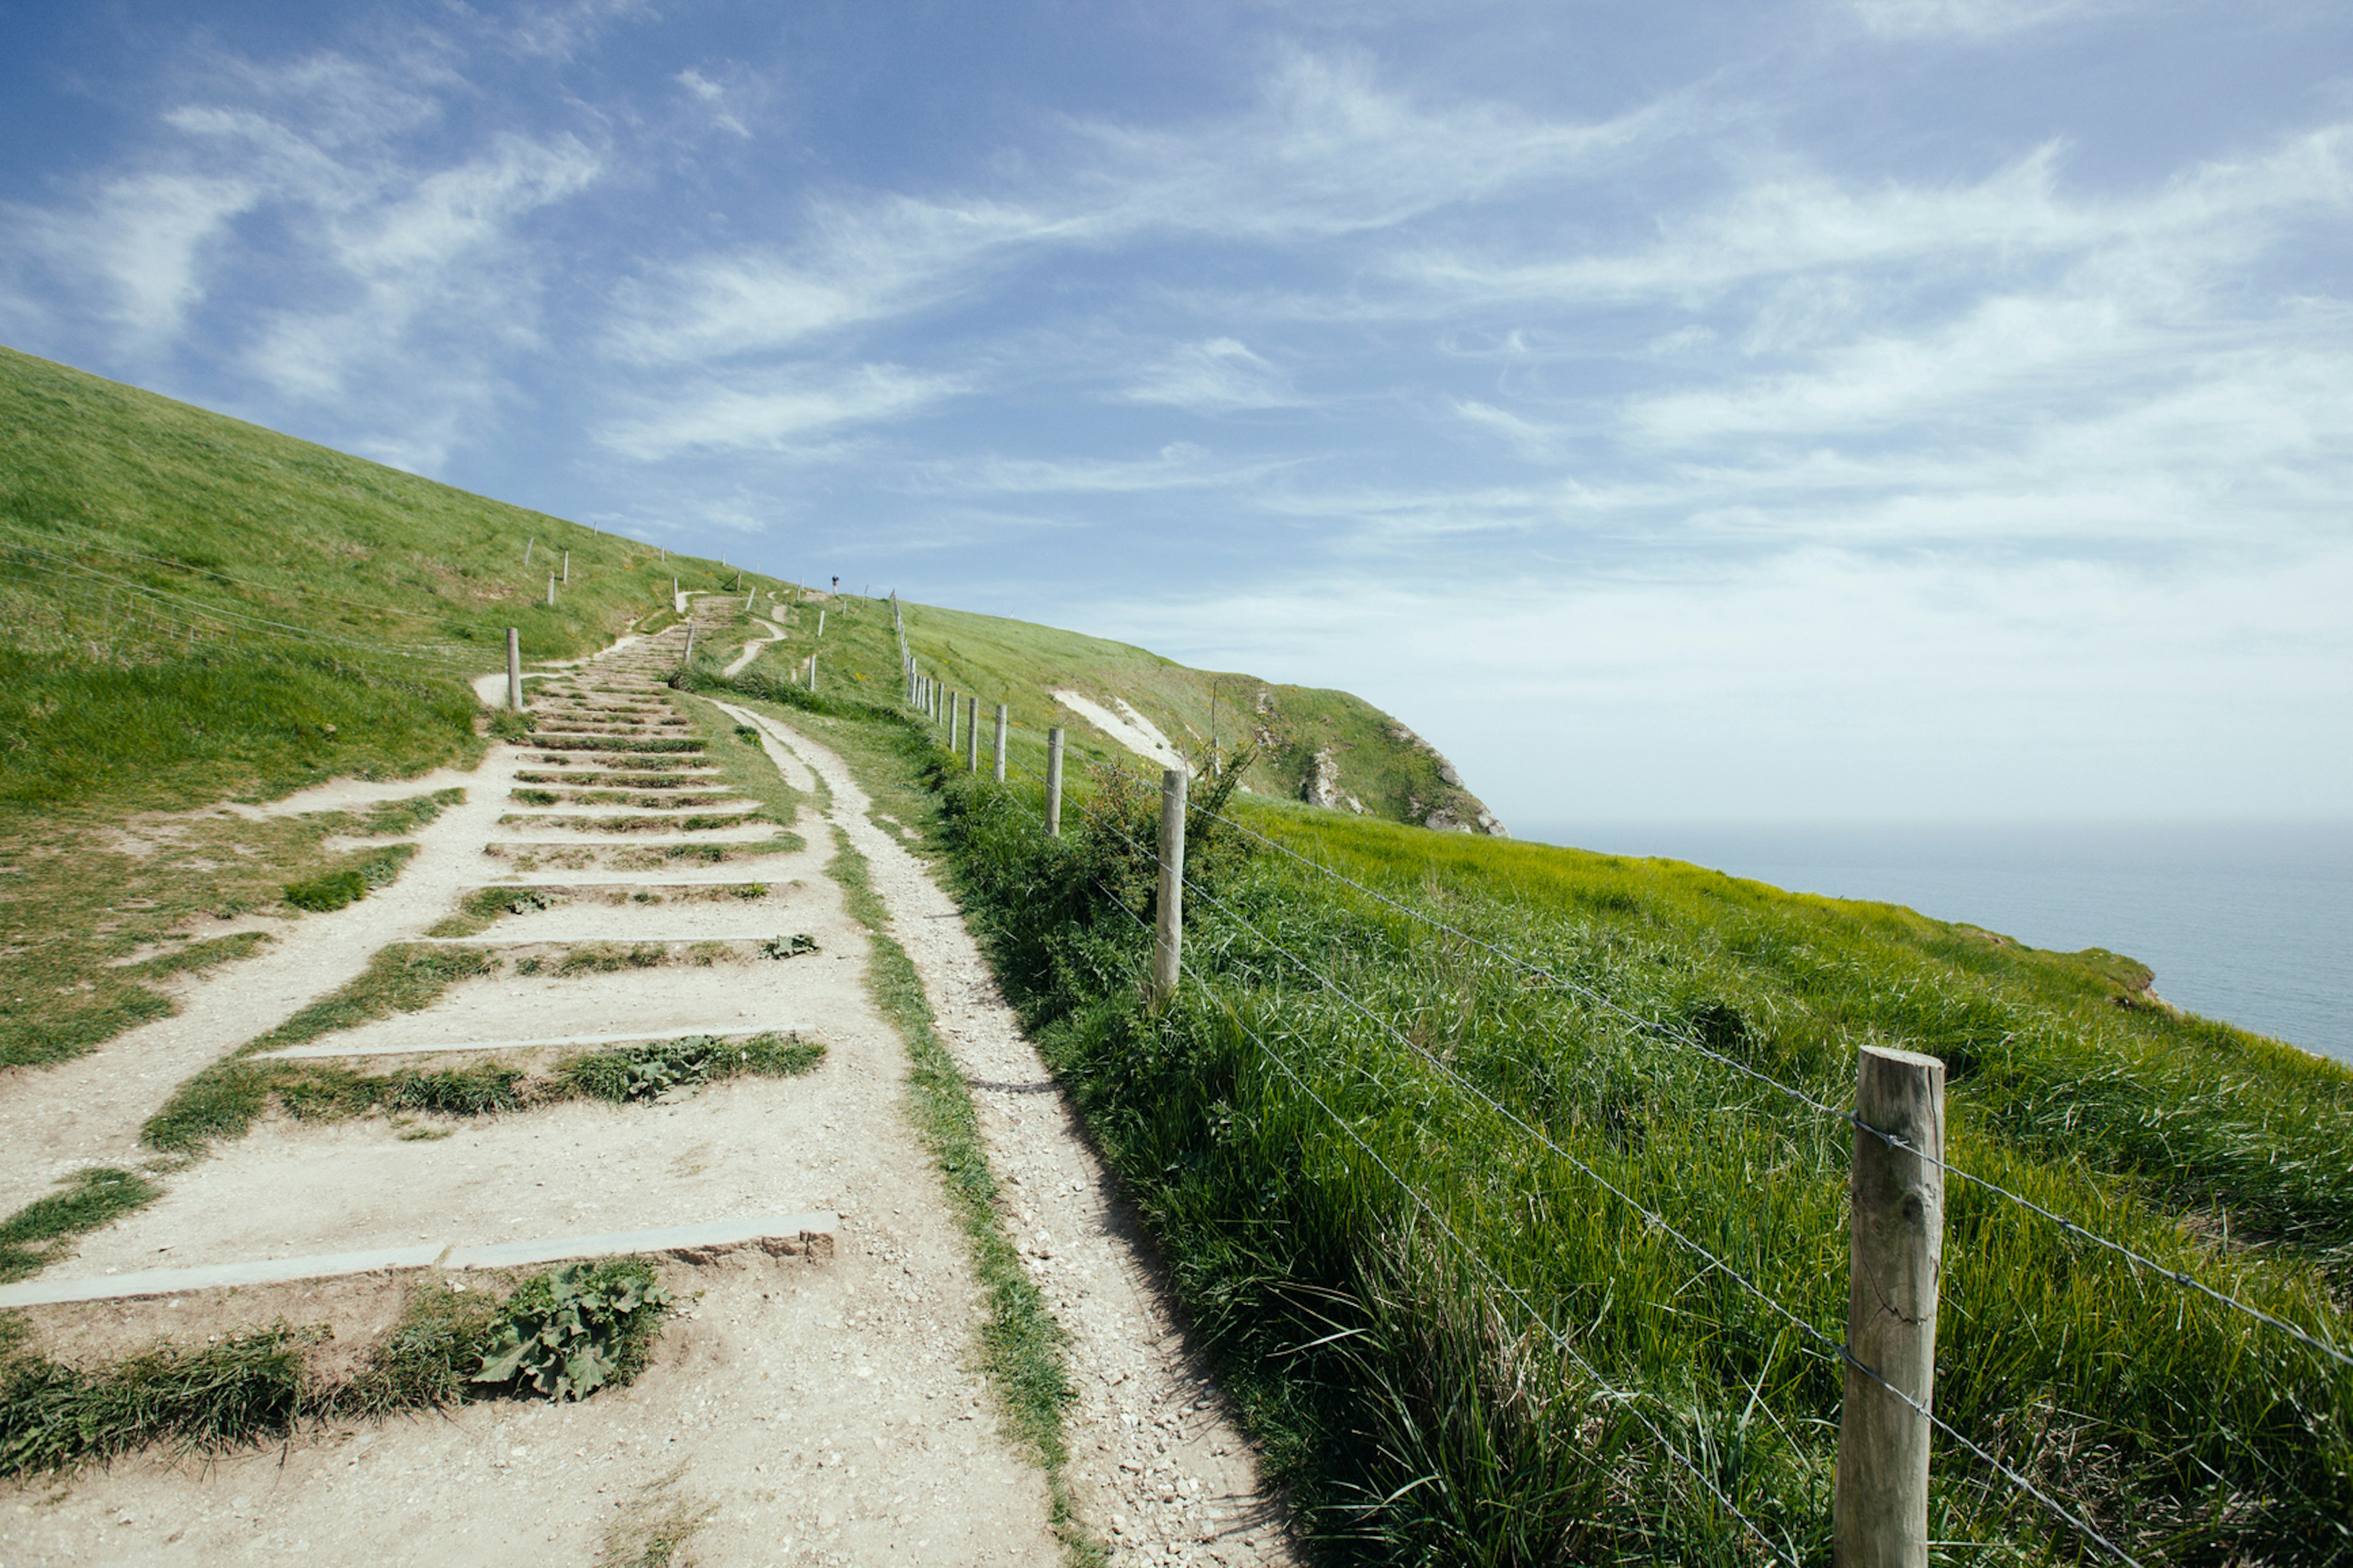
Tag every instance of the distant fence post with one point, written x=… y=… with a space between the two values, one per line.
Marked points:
x=1168 y=941
x=1054 y=782
x=551 y=588
x=972 y=734
x=812 y=672
x=690 y=642
x=953 y=717
x=821 y=620
x=567 y=568
x=527 y=550
x=1879 y=1511
x=514 y=670
x=1000 y=742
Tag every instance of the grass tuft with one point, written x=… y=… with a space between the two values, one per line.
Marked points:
x=95 y=1197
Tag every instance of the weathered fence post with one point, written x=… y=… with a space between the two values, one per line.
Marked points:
x=514 y=670
x=1000 y=742
x=567 y=568
x=821 y=620
x=689 y=656
x=1879 y=1511
x=953 y=717
x=1054 y=782
x=972 y=734
x=1168 y=941
x=812 y=672
x=527 y=549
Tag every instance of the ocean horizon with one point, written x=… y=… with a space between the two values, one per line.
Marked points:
x=2248 y=923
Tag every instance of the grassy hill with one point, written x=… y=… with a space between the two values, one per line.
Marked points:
x=1415 y=1129
x=194 y=609
x=1412 y=1141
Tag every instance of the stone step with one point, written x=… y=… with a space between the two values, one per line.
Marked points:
x=804 y=1234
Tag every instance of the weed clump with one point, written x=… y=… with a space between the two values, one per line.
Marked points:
x=560 y=1334
x=566 y=1334
x=651 y=1071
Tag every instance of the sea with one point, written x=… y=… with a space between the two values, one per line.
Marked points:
x=2248 y=923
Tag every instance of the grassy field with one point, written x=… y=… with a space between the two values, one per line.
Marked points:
x=1356 y=1230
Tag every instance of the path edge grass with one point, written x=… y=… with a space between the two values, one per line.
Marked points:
x=1022 y=1343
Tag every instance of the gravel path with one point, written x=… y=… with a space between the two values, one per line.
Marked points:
x=1158 y=1466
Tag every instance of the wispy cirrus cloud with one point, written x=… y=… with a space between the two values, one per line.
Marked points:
x=403 y=264
x=780 y=410
x=1220 y=376
x=1971 y=19
x=1179 y=466
x=1326 y=153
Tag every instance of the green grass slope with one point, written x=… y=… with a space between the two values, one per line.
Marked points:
x=1372 y=763
x=192 y=609
x=1402 y=1279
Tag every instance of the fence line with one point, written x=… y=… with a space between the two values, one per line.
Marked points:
x=1625 y=1399
x=2181 y=1278
x=1818 y=1341
x=232 y=623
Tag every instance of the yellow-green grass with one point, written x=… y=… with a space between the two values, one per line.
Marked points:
x=95 y=913
x=1426 y=1416
x=193 y=610
x=1022 y=664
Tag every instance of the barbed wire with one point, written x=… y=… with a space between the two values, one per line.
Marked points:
x=1625 y=1399
x=1825 y=1344
x=231 y=623
x=2179 y=1277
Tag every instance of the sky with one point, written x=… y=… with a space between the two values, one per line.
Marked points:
x=1779 y=411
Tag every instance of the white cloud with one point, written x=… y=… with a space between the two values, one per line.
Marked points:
x=1967 y=18
x=399 y=273
x=1219 y=377
x=779 y=410
x=1179 y=466
x=1947 y=686
x=1325 y=153
x=145 y=238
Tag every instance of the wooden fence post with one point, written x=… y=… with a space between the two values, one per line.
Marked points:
x=567 y=568
x=953 y=717
x=1000 y=742
x=1168 y=941
x=1054 y=782
x=514 y=670
x=821 y=620
x=812 y=672
x=972 y=734
x=551 y=589
x=1879 y=1511
x=689 y=656
x=528 y=544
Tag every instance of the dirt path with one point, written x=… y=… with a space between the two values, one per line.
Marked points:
x=802 y=1409
x=1157 y=1463
x=88 y=1110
